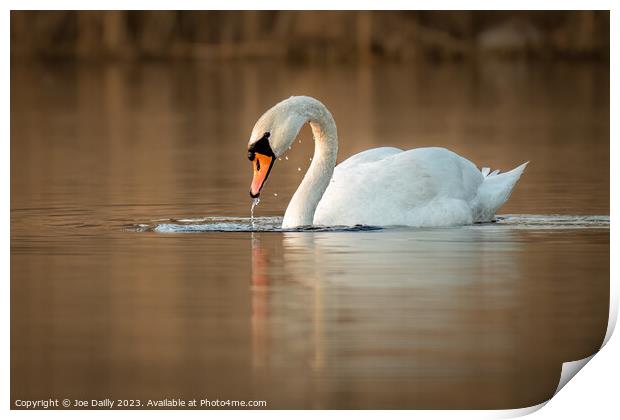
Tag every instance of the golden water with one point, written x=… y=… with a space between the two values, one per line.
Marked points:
x=110 y=299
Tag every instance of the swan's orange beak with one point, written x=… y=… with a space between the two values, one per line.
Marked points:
x=262 y=166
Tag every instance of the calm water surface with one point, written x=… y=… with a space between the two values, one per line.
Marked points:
x=127 y=281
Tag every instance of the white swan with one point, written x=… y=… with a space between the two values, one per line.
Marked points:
x=385 y=186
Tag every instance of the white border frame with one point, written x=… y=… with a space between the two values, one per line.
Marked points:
x=592 y=394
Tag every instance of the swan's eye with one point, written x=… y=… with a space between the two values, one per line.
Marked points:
x=257 y=165
x=251 y=155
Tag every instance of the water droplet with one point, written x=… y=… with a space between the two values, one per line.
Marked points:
x=298 y=169
x=275 y=194
x=279 y=158
x=310 y=159
x=286 y=157
x=299 y=141
x=254 y=204
x=289 y=148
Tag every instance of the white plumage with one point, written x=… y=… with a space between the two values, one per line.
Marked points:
x=429 y=186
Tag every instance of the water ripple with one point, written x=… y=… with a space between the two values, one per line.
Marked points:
x=274 y=224
x=552 y=221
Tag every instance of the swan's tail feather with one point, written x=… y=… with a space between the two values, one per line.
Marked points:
x=486 y=172
x=495 y=191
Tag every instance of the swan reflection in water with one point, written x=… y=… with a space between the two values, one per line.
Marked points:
x=395 y=304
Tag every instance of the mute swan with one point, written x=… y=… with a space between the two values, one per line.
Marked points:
x=386 y=186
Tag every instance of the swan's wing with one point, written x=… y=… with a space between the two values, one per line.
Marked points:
x=430 y=185
x=367 y=156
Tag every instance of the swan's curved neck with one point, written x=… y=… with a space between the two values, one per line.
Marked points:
x=300 y=211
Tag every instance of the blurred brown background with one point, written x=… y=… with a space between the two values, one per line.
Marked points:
x=309 y=35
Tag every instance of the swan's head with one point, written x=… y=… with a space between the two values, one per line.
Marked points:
x=272 y=134
x=262 y=157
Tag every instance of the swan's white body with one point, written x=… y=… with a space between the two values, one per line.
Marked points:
x=386 y=186
x=429 y=186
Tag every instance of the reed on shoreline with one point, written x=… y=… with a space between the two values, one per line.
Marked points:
x=318 y=36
